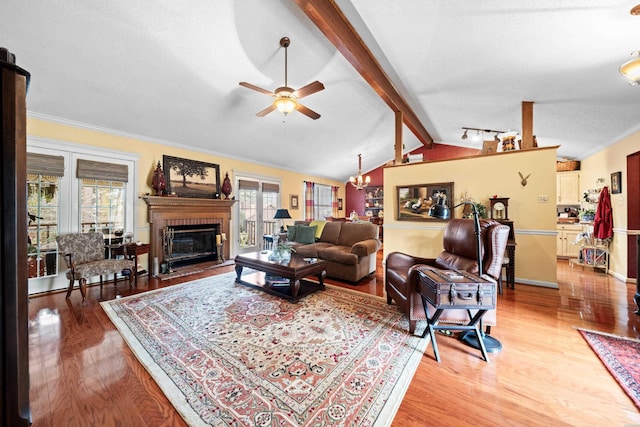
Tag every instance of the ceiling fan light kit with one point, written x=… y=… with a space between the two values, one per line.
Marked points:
x=631 y=69
x=286 y=98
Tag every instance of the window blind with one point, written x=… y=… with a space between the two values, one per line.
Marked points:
x=270 y=188
x=105 y=171
x=243 y=184
x=45 y=164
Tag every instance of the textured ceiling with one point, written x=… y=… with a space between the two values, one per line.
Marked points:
x=169 y=71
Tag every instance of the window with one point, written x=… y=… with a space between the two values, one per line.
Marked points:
x=44 y=174
x=321 y=201
x=42 y=210
x=103 y=198
x=102 y=206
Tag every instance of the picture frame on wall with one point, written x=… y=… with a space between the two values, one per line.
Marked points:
x=293 y=201
x=339 y=204
x=191 y=178
x=616 y=183
x=414 y=201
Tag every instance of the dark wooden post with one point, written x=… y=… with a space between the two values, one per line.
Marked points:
x=636 y=297
x=14 y=355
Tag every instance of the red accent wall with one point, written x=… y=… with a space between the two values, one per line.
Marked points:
x=355 y=199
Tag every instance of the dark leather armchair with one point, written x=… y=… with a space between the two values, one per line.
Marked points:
x=460 y=253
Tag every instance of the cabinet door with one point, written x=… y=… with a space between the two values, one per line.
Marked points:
x=571 y=249
x=560 y=243
x=568 y=187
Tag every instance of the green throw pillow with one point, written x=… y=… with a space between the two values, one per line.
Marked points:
x=305 y=234
x=291 y=233
x=320 y=226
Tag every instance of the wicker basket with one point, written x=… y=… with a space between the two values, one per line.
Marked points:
x=567 y=165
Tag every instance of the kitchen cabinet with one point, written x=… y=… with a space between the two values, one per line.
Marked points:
x=568 y=187
x=566 y=240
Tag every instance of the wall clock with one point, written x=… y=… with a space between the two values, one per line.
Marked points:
x=499 y=208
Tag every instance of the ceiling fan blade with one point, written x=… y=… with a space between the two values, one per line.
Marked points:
x=266 y=111
x=309 y=89
x=259 y=89
x=307 y=112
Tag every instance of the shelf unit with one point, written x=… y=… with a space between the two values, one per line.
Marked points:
x=593 y=253
x=374 y=201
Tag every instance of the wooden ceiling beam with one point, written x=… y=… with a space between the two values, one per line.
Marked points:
x=328 y=17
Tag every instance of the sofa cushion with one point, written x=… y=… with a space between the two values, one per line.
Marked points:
x=351 y=233
x=319 y=227
x=331 y=232
x=339 y=254
x=305 y=234
x=312 y=250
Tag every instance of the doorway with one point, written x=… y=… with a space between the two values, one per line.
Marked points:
x=258 y=200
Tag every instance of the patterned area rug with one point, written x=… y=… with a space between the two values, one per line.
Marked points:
x=225 y=354
x=621 y=356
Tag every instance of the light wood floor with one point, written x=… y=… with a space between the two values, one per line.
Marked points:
x=83 y=374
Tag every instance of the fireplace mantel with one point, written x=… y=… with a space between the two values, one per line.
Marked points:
x=170 y=211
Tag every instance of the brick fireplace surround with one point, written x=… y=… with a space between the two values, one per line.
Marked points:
x=176 y=211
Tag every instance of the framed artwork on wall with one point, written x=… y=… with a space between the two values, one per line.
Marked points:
x=191 y=178
x=616 y=183
x=293 y=201
x=414 y=201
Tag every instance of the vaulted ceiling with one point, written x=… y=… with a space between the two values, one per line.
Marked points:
x=168 y=71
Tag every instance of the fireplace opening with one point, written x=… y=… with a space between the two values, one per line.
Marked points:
x=190 y=244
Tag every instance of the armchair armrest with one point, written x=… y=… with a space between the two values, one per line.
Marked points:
x=365 y=247
x=403 y=262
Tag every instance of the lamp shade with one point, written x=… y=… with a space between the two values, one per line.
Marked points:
x=440 y=211
x=282 y=214
x=631 y=69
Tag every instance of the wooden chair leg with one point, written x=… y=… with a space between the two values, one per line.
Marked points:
x=70 y=288
x=83 y=288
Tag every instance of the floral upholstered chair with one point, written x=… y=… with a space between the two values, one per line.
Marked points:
x=84 y=254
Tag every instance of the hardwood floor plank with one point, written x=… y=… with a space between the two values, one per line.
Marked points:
x=83 y=373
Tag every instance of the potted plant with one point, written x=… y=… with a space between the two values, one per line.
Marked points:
x=587 y=214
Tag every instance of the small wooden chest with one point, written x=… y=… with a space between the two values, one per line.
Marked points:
x=456 y=289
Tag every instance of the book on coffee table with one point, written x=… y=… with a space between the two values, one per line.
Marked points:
x=275 y=280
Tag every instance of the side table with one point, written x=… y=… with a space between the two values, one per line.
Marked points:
x=455 y=290
x=132 y=250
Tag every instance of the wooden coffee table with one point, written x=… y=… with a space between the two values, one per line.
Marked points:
x=294 y=287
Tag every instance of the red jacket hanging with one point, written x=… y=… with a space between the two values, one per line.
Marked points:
x=603 y=222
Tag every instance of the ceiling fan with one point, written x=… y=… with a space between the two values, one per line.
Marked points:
x=286 y=98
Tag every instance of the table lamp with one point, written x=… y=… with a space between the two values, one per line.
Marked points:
x=440 y=210
x=282 y=214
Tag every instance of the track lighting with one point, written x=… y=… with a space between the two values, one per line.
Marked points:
x=466 y=129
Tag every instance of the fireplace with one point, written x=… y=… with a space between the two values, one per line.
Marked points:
x=190 y=244
x=184 y=216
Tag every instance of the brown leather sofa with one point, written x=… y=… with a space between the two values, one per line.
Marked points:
x=348 y=248
x=459 y=253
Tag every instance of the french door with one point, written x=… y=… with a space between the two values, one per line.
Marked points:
x=258 y=200
x=73 y=188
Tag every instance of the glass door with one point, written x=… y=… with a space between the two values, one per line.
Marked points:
x=258 y=201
